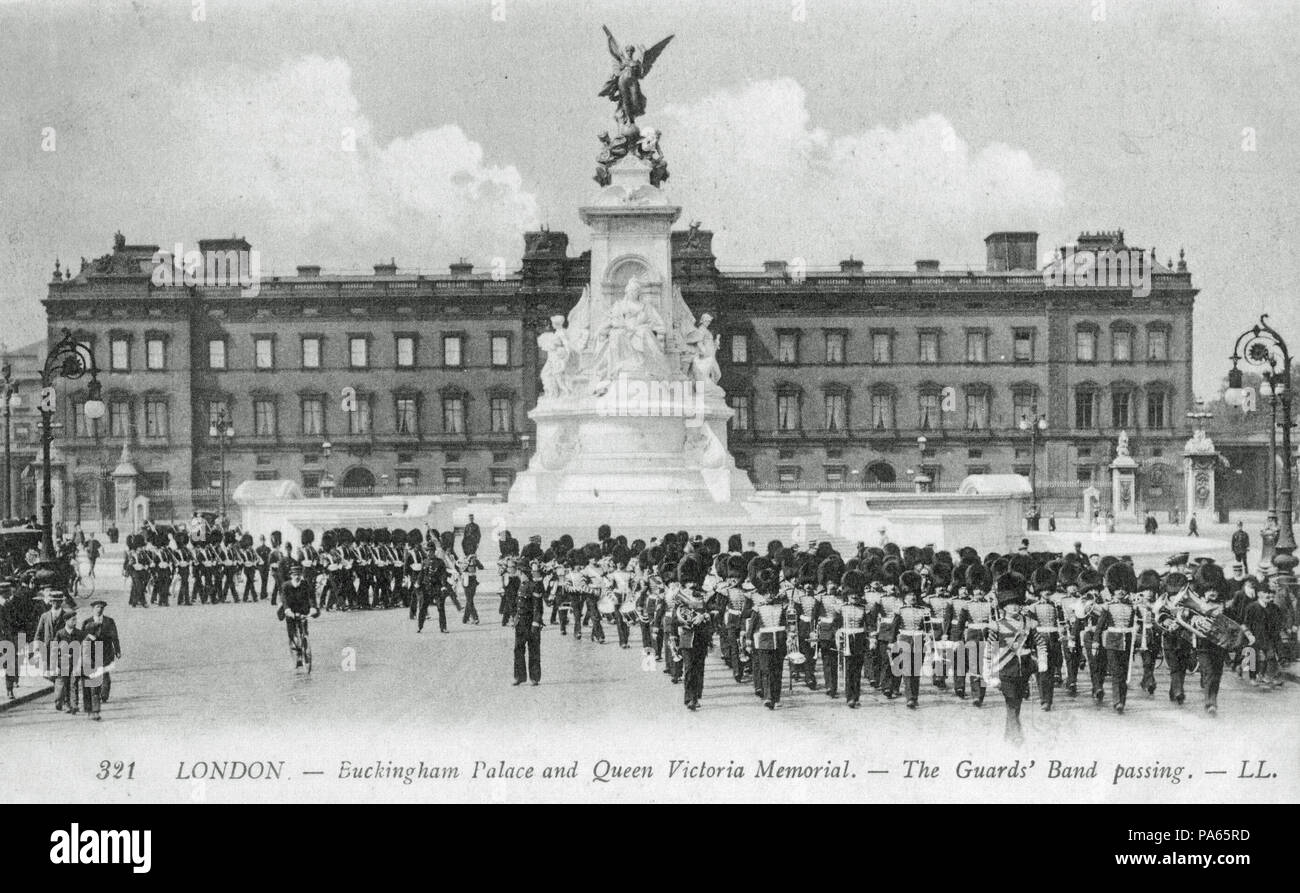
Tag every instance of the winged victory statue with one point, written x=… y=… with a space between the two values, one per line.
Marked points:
x=631 y=64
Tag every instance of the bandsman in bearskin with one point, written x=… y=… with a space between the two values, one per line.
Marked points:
x=854 y=636
x=1147 y=592
x=1013 y=649
x=1047 y=619
x=1117 y=626
x=766 y=636
x=829 y=620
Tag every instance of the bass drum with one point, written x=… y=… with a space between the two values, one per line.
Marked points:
x=607 y=605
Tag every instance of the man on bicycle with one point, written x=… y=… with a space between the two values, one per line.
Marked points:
x=298 y=599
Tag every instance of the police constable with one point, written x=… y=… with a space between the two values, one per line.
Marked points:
x=529 y=606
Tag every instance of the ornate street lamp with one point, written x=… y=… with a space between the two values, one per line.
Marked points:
x=326 y=481
x=71 y=360
x=1263 y=346
x=922 y=480
x=1033 y=423
x=222 y=430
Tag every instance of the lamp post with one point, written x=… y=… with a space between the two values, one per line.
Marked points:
x=1269 y=534
x=71 y=360
x=1033 y=422
x=326 y=482
x=1263 y=346
x=922 y=480
x=12 y=402
x=223 y=431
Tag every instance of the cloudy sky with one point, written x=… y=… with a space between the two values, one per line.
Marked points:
x=794 y=128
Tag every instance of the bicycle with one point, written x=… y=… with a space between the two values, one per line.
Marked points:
x=299 y=642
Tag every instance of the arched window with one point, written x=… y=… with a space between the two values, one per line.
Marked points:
x=880 y=472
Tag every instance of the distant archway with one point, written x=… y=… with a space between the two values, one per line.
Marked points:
x=359 y=480
x=880 y=473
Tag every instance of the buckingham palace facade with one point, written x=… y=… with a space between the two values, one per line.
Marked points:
x=835 y=375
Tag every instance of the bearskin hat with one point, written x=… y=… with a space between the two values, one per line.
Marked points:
x=1120 y=577
x=1209 y=576
x=1148 y=581
x=1043 y=579
x=621 y=554
x=1011 y=589
x=1088 y=580
x=414 y=537
x=689 y=571
x=831 y=570
x=711 y=545
x=978 y=576
x=668 y=572
x=327 y=540
x=892 y=549
x=591 y=551
x=1021 y=564
x=941 y=574
x=735 y=543
x=853 y=582
x=909 y=581
x=890 y=569
x=1175 y=582
x=765 y=580
x=736 y=566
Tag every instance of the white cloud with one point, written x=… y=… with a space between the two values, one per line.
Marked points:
x=265 y=155
x=751 y=165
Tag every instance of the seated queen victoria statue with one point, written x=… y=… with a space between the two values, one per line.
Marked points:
x=629 y=343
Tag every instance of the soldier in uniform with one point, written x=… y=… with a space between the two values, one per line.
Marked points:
x=940 y=605
x=530 y=604
x=912 y=625
x=469 y=567
x=263 y=552
x=886 y=620
x=249 y=561
x=1068 y=602
x=854 y=636
x=1116 y=626
x=974 y=625
x=734 y=615
x=1179 y=654
x=1047 y=620
x=1015 y=646
x=690 y=630
x=1210 y=657
x=828 y=621
x=432 y=586
x=137 y=565
x=183 y=560
x=766 y=636
x=1148 y=585
x=804 y=608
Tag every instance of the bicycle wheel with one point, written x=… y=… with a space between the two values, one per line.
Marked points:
x=306 y=653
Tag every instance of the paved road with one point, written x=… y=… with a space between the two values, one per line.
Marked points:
x=207 y=684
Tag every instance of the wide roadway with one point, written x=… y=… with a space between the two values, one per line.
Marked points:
x=216 y=684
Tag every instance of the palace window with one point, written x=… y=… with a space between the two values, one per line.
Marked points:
x=453 y=414
x=928 y=410
x=264 y=417
x=835 y=347
x=119 y=354
x=1121 y=346
x=1085 y=345
x=837 y=412
x=359 y=418
x=787 y=347
x=406 y=351
x=1023 y=346
x=1121 y=408
x=155 y=354
x=408 y=420
x=928 y=347
x=500 y=350
x=787 y=412
x=119 y=418
x=739 y=348
x=502 y=412
x=155 y=417
x=264 y=353
x=1085 y=408
x=977 y=347
x=313 y=415
x=311 y=353
x=216 y=353
x=451 y=350
x=977 y=412
x=882 y=347
x=882 y=411
x=358 y=352
x=1157 y=409
x=1157 y=345
x=740 y=405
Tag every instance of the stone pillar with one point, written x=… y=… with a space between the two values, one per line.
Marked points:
x=1123 y=481
x=1200 y=461
x=124 y=490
